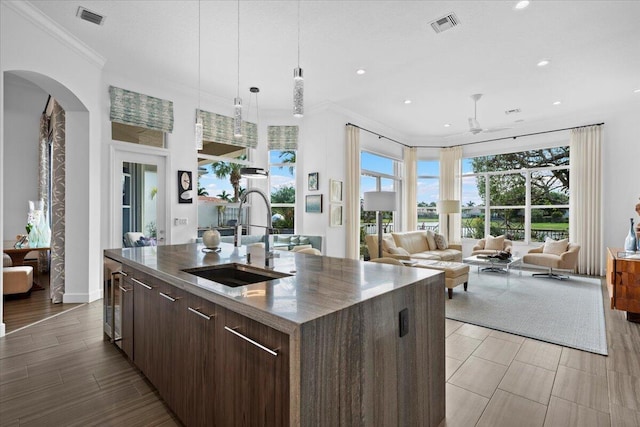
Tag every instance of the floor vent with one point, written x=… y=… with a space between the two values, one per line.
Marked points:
x=89 y=16
x=444 y=23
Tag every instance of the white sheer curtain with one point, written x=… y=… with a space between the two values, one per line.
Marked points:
x=585 y=213
x=450 y=186
x=352 y=202
x=411 y=188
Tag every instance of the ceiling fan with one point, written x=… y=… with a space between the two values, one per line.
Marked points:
x=474 y=125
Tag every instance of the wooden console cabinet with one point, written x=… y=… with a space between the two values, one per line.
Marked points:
x=623 y=283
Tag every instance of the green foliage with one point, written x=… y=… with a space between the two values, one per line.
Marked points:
x=202 y=191
x=152 y=231
x=224 y=196
x=288 y=156
x=284 y=194
x=223 y=170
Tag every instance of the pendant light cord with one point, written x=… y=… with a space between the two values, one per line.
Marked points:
x=199 y=50
x=298 y=33
x=238 y=91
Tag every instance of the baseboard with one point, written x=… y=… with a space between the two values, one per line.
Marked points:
x=3 y=330
x=82 y=298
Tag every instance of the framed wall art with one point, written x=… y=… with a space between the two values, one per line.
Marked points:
x=335 y=216
x=335 y=191
x=313 y=204
x=313 y=181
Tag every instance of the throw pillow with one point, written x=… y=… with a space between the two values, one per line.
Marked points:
x=431 y=240
x=555 y=247
x=304 y=240
x=388 y=243
x=494 y=243
x=441 y=241
x=294 y=240
x=399 y=251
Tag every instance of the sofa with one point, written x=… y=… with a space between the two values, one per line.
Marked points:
x=286 y=242
x=413 y=244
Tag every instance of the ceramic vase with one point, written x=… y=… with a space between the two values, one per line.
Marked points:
x=631 y=243
x=211 y=239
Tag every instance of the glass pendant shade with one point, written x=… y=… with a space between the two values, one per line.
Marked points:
x=237 y=117
x=198 y=133
x=298 y=93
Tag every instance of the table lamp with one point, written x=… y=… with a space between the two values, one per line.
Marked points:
x=448 y=207
x=379 y=201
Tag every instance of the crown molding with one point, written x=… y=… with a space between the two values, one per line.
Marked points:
x=42 y=21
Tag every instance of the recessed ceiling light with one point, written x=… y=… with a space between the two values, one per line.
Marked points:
x=522 y=4
x=557 y=103
x=407 y=101
x=636 y=91
x=543 y=63
x=447 y=125
x=360 y=71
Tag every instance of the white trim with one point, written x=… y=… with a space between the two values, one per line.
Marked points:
x=42 y=21
x=82 y=298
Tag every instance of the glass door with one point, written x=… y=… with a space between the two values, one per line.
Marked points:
x=138 y=200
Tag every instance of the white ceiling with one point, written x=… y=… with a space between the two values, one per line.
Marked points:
x=594 y=48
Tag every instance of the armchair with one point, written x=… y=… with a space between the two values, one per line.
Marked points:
x=490 y=245
x=562 y=260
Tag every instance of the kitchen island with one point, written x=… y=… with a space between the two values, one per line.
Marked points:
x=330 y=342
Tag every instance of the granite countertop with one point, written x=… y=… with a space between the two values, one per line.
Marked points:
x=317 y=286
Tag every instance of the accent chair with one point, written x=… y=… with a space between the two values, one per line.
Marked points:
x=558 y=255
x=490 y=245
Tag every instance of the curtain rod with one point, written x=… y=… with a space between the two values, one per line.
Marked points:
x=378 y=135
x=520 y=136
x=476 y=142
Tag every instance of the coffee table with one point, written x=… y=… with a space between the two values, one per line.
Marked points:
x=494 y=265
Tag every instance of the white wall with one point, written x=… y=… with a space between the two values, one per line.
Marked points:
x=23 y=105
x=37 y=50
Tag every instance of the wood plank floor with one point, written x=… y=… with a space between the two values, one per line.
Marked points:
x=60 y=372
x=20 y=312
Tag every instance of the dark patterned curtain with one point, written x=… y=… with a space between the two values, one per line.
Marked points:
x=52 y=191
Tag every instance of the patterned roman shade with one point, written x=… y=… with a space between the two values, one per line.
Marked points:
x=136 y=109
x=282 y=137
x=218 y=128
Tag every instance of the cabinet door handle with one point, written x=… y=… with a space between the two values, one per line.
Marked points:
x=257 y=344
x=201 y=314
x=123 y=289
x=122 y=272
x=144 y=285
x=169 y=297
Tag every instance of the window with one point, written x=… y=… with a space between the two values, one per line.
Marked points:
x=282 y=182
x=220 y=187
x=379 y=173
x=428 y=193
x=525 y=195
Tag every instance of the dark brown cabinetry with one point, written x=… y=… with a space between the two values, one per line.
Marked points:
x=256 y=363
x=126 y=306
x=212 y=366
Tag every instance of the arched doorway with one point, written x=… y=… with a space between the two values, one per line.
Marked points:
x=77 y=134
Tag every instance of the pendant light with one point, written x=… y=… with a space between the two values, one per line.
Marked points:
x=198 y=129
x=237 y=101
x=298 y=80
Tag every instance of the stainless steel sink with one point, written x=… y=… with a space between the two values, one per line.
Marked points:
x=234 y=275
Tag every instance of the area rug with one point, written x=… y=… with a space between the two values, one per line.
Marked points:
x=568 y=312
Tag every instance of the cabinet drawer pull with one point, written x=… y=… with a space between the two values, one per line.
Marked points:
x=123 y=273
x=144 y=285
x=123 y=289
x=199 y=313
x=169 y=297
x=271 y=352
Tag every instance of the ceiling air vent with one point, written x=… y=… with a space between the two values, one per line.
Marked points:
x=512 y=111
x=444 y=23
x=90 y=16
